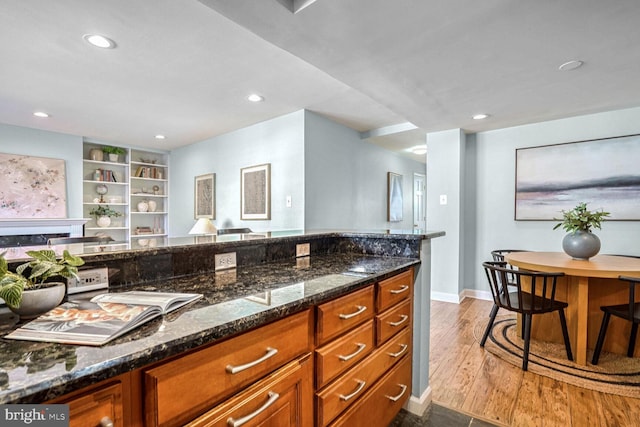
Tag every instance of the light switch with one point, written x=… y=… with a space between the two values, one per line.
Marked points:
x=443 y=199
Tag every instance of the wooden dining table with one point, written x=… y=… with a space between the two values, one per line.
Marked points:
x=586 y=286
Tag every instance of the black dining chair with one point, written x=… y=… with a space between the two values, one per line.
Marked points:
x=541 y=298
x=629 y=311
x=499 y=254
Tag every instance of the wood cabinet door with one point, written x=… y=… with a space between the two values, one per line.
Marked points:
x=394 y=289
x=342 y=314
x=284 y=398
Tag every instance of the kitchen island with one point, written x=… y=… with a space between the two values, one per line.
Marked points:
x=268 y=284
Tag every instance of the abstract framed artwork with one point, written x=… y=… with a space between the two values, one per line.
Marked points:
x=255 y=192
x=394 y=197
x=603 y=173
x=32 y=187
x=205 y=196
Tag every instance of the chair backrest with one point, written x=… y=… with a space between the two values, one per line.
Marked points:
x=234 y=231
x=525 y=284
x=498 y=254
x=633 y=281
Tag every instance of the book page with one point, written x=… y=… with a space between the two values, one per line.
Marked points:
x=167 y=301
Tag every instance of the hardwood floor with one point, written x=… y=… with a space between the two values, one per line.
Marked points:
x=465 y=378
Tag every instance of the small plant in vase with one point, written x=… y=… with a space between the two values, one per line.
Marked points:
x=113 y=152
x=29 y=291
x=103 y=215
x=580 y=242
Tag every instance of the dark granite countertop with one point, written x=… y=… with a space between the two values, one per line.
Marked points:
x=234 y=301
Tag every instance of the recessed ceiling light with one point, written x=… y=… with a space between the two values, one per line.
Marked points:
x=254 y=97
x=419 y=149
x=41 y=114
x=480 y=116
x=99 y=41
x=570 y=65
x=160 y=137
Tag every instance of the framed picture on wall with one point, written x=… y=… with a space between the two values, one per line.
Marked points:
x=205 y=196
x=32 y=187
x=255 y=192
x=394 y=197
x=603 y=173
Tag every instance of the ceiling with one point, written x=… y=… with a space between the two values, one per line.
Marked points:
x=184 y=68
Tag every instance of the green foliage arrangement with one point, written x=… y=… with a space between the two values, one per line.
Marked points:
x=581 y=219
x=112 y=150
x=35 y=273
x=104 y=210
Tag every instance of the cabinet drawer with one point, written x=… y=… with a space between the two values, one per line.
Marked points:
x=382 y=403
x=91 y=408
x=338 y=356
x=393 y=321
x=181 y=389
x=336 y=397
x=394 y=289
x=284 y=398
x=342 y=314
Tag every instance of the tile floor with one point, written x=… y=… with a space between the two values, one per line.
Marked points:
x=437 y=416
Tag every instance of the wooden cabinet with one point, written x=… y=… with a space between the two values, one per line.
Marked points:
x=179 y=390
x=345 y=378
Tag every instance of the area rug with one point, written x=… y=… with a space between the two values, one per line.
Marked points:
x=615 y=374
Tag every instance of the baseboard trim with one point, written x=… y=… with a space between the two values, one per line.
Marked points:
x=417 y=405
x=474 y=293
x=446 y=297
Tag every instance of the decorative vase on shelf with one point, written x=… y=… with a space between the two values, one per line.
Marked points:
x=103 y=221
x=581 y=245
x=113 y=157
x=143 y=206
x=96 y=154
x=152 y=205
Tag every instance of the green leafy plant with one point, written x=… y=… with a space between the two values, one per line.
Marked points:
x=112 y=150
x=104 y=210
x=34 y=274
x=581 y=219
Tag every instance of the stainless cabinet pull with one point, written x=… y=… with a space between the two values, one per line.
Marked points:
x=361 y=385
x=273 y=396
x=404 y=348
x=401 y=290
x=235 y=369
x=361 y=347
x=395 y=398
x=106 y=422
x=403 y=318
x=361 y=309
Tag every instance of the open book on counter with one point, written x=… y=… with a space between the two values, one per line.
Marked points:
x=101 y=319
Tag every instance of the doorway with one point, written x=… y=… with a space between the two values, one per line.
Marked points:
x=419 y=207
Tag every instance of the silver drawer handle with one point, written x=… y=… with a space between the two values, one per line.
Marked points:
x=361 y=309
x=401 y=290
x=361 y=347
x=395 y=398
x=403 y=318
x=106 y=422
x=273 y=396
x=404 y=348
x=361 y=385
x=235 y=369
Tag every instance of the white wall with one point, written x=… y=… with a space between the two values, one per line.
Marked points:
x=279 y=141
x=33 y=142
x=346 y=179
x=495 y=186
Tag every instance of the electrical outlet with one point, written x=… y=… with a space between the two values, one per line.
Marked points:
x=225 y=261
x=303 y=249
x=89 y=280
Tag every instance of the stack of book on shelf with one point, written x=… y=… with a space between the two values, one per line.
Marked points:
x=101 y=319
x=104 y=175
x=148 y=172
x=144 y=230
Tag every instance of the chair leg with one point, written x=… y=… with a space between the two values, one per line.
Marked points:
x=632 y=339
x=527 y=339
x=492 y=318
x=565 y=334
x=603 y=332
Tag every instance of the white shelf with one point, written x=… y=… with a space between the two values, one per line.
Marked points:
x=106 y=228
x=87 y=181
x=148 y=179
x=105 y=163
x=105 y=203
x=144 y=236
x=148 y=195
x=148 y=213
x=156 y=165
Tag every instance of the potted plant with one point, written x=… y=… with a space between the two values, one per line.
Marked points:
x=29 y=291
x=580 y=242
x=113 y=152
x=103 y=214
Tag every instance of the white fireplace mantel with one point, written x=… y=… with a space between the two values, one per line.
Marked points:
x=73 y=226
